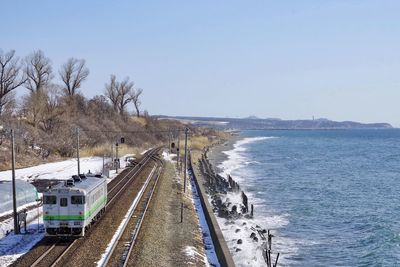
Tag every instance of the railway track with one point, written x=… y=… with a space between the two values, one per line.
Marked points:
x=58 y=249
x=124 y=241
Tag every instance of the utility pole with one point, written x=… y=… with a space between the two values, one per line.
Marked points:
x=103 y=164
x=178 y=153
x=112 y=153
x=77 y=151
x=116 y=157
x=169 y=142
x=185 y=165
x=16 y=228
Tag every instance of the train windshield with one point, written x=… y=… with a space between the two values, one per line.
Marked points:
x=50 y=200
x=77 y=200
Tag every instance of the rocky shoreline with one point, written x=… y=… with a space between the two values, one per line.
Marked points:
x=217 y=188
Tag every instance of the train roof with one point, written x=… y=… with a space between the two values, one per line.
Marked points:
x=86 y=184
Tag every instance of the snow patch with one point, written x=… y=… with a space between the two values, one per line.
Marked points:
x=14 y=246
x=168 y=156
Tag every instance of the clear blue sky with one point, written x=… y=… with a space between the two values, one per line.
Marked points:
x=288 y=59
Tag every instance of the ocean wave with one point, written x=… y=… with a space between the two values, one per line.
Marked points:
x=249 y=253
x=235 y=159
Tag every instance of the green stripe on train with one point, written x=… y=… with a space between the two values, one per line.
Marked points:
x=98 y=204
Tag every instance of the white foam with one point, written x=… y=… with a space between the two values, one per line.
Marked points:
x=250 y=253
x=235 y=158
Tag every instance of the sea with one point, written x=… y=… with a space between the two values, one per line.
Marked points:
x=329 y=197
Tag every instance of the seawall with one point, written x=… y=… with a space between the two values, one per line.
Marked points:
x=221 y=248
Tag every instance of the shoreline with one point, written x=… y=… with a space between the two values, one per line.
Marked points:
x=244 y=232
x=216 y=154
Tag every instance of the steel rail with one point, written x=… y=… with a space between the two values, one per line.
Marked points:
x=133 y=242
x=139 y=165
x=115 y=243
x=38 y=260
x=64 y=253
x=143 y=164
x=45 y=254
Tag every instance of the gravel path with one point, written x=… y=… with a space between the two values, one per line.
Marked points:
x=164 y=240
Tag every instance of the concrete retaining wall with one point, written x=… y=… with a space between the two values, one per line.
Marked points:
x=221 y=248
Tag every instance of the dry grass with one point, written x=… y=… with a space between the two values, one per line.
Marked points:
x=106 y=150
x=199 y=142
x=141 y=120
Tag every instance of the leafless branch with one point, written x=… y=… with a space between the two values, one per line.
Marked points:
x=38 y=71
x=10 y=77
x=135 y=96
x=73 y=73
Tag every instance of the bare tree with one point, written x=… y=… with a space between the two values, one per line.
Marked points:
x=119 y=93
x=51 y=117
x=73 y=73
x=125 y=90
x=34 y=105
x=10 y=77
x=135 y=96
x=111 y=91
x=38 y=71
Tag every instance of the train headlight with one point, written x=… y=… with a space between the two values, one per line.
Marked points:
x=77 y=223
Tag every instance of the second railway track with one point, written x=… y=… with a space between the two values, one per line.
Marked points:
x=120 y=251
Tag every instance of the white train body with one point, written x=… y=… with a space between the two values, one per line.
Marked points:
x=70 y=208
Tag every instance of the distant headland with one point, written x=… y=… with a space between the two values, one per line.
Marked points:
x=254 y=123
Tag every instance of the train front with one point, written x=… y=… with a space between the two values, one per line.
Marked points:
x=64 y=212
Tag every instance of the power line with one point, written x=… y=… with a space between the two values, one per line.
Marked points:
x=133 y=132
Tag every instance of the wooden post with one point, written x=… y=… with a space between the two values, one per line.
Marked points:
x=276 y=261
x=181 y=212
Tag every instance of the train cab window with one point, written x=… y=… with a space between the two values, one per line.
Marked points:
x=77 y=200
x=63 y=202
x=49 y=200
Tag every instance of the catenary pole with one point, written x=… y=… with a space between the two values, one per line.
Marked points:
x=16 y=228
x=178 y=154
x=116 y=157
x=185 y=164
x=77 y=151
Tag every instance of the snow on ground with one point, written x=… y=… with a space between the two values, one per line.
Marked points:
x=168 y=156
x=62 y=169
x=14 y=246
x=20 y=208
x=56 y=170
x=7 y=225
x=144 y=152
x=192 y=253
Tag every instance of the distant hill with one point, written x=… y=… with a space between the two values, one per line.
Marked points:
x=253 y=123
